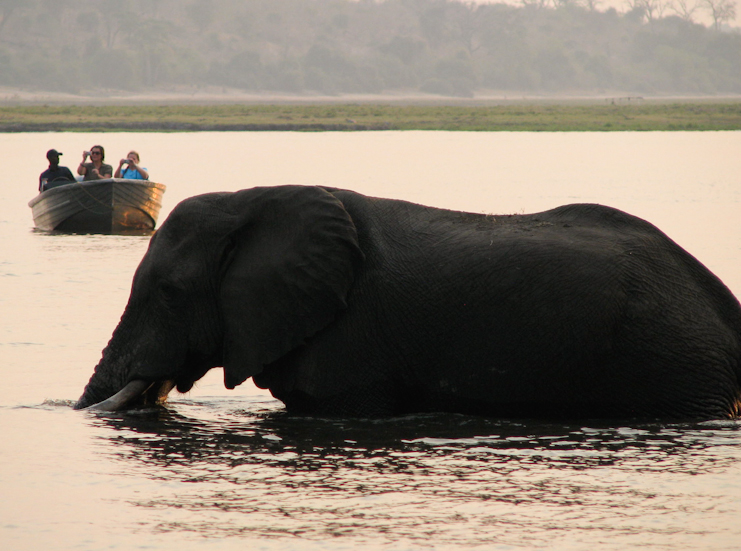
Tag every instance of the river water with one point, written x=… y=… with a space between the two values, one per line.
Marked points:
x=225 y=469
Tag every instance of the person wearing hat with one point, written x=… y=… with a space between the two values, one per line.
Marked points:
x=55 y=175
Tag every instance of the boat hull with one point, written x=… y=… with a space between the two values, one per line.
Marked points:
x=112 y=205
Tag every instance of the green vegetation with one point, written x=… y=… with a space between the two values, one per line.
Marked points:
x=332 y=47
x=520 y=117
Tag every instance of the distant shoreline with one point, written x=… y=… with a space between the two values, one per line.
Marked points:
x=156 y=113
x=12 y=97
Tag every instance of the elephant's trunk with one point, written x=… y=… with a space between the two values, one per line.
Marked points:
x=111 y=375
x=118 y=380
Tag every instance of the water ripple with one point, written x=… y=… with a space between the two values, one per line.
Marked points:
x=449 y=479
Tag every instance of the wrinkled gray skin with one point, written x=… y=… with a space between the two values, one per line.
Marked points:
x=343 y=304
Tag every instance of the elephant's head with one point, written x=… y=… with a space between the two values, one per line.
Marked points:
x=230 y=279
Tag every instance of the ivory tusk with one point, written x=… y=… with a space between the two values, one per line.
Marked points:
x=132 y=390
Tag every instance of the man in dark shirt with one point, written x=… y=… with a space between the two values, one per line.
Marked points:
x=55 y=175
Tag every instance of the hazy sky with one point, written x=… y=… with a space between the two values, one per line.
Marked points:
x=701 y=15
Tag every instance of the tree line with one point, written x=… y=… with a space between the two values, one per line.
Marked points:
x=446 y=47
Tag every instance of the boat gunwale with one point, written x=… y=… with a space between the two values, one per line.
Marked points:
x=92 y=184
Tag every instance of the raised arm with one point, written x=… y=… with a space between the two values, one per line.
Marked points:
x=120 y=166
x=81 y=168
x=140 y=170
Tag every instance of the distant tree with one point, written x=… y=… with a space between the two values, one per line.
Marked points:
x=433 y=23
x=721 y=11
x=661 y=6
x=57 y=8
x=408 y=49
x=451 y=47
x=554 y=67
x=152 y=40
x=466 y=23
x=537 y=4
x=635 y=9
x=117 y=16
x=7 y=8
x=151 y=7
x=685 y=9
x=202 y=13
x=567 y=3
x=652 y=9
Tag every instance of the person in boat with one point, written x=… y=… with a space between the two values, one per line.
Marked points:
x=133 y=171
x=96 y=169
x=55 y=175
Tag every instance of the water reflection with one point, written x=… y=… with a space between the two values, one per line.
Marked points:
x=459 y=479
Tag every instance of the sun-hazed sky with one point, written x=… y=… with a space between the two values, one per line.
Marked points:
x=701 y=15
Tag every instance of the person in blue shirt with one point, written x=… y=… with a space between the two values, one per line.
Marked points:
x=133 y=171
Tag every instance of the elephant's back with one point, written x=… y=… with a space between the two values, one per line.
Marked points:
x=507 y=314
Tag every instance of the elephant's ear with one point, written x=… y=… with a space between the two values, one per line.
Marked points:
x=287 y=269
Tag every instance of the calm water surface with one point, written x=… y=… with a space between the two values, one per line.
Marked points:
x=224 y=469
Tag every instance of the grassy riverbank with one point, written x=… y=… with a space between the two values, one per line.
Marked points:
x=527 y=117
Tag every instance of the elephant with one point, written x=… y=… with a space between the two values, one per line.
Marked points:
x=343 y=304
